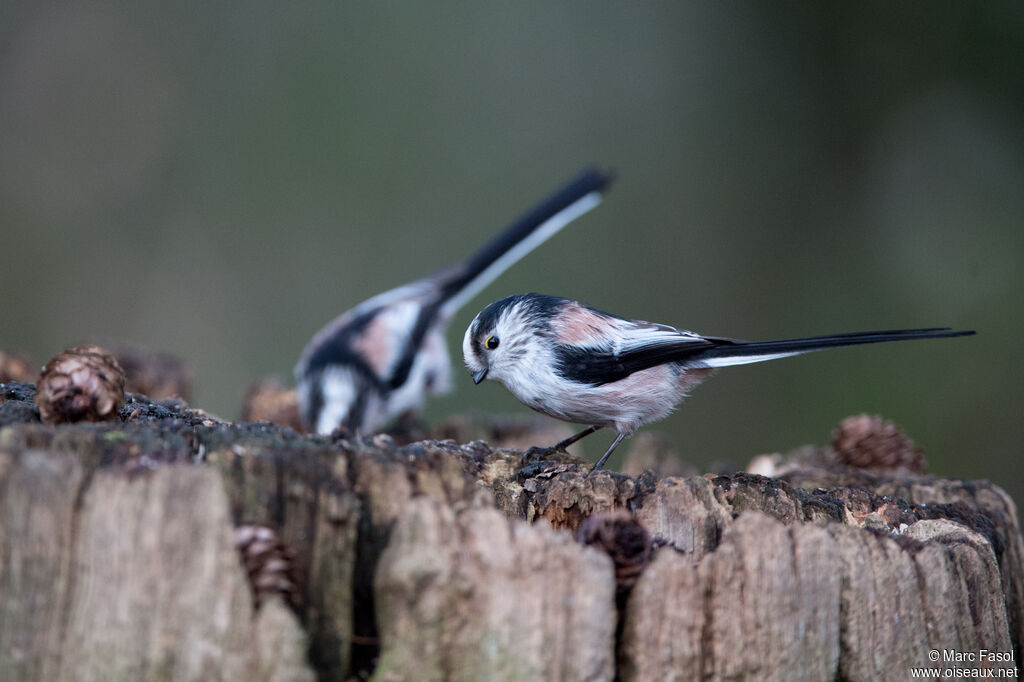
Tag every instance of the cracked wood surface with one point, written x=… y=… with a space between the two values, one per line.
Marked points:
x=443 y=561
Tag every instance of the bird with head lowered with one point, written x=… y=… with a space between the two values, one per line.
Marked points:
x=581 y=365
x=381 y=360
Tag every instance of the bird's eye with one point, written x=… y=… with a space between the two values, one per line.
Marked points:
x=491 y=342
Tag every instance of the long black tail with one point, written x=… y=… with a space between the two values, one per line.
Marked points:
x=527 y=232
x=730 y=352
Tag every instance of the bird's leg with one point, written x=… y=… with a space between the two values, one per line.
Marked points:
x=609 y=451
x=541 y=453
x=562 y=445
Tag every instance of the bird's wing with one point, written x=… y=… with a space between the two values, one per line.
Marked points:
x=632 y=347
x=339 y=341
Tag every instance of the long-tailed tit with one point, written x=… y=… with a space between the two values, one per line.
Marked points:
x=585 y=366
x=381 y=359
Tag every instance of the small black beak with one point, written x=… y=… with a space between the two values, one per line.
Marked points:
x=479 y=376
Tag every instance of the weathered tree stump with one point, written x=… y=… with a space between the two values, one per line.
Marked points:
x=444 y=561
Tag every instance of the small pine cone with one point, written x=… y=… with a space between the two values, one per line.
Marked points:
x=870 y=442
x=81 y=384
x=268 y=562
x=269 y=400
x=156 y=375
x=15 y=368
x=624 y=540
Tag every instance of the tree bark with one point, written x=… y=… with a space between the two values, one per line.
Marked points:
x=436 y=560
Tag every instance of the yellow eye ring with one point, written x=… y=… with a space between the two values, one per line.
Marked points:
x=491 y=343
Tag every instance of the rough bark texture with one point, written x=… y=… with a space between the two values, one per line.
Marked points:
x=474 y=596
x=443 y=561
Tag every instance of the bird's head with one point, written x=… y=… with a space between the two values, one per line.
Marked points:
x=506 y=336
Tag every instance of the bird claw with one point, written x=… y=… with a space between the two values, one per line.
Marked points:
x=538 y=454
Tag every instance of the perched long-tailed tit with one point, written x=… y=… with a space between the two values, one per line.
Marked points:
x=382 y=358
x=585 y=366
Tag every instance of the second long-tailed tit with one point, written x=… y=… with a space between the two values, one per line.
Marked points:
x=381 y=359
x=581 y=365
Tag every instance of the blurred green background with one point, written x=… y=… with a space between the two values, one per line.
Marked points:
x=220 y=179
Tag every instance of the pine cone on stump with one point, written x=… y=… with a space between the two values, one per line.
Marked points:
x=14 y=367
x=155 y=374
x=84 y=383
x=269 y=564
x=270 y=400
x=623 y=538
x=870 y=442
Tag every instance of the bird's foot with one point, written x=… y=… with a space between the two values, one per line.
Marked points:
x=538 y=454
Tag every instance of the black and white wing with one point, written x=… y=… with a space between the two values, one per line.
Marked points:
x=627 y=346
